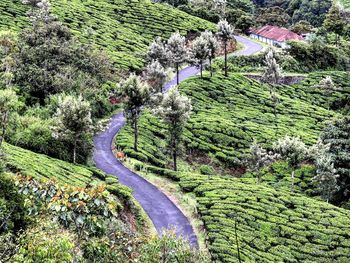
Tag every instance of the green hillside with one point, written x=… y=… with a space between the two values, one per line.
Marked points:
x=124 y=28
x=272 y=226
x=229 y=113
x=345 y=3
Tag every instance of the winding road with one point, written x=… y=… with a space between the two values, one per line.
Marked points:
x=161 y=210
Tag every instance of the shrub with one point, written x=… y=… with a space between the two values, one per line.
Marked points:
x=206 y=170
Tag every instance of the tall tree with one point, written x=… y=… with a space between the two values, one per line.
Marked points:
x=273 y=72
x=157 y=51
x=175 y=111
x=73 y=121
x=294 y=151
x=225 y=32
x=212 y=45
x=178 y=53
x=199 y=52
x=335 y=21
x=8 y=104
x=156 y=75
x=337 y=135
x=136 y=95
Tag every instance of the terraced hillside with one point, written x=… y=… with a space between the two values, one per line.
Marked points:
x=42 y=167
x=124 y=28
x=229 y=113
x=271 y=226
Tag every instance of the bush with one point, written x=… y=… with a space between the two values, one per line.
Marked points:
x=46 y=243
x=13 y=214
x=206 y=170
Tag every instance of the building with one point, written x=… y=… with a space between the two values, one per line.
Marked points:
x=274 y=35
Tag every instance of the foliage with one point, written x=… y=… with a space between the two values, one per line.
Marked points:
x=337 y=136
x=50 y=60
x=177 y=52
x=156 y=75
x=225 y=33
x=73 y=121
x=124 y=29
x=273 y=71
x=84 y=210
x=46 y=242
x=137 y=95
x=168 y=248
x=175 y=111
x=8 y=104
x=326 y=177
x=199 y=52
x=273 y=16
x=335 y=20
x=12 y=211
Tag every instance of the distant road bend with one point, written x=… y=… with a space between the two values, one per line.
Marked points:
x=161 y=210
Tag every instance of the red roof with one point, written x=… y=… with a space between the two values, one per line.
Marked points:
x=276 y=33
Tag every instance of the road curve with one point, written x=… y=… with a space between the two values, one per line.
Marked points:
x=161 y=210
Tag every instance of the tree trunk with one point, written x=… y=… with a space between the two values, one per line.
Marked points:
x=237 y=243
x=293 y=176
x=177 y=74
x=75 y=151
x=136 y=135
x=201 y=69
x=175 y=154
x=210 y=68
x=226 y=59
x=4 y=122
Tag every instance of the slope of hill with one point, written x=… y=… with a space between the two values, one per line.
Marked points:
x=228 y=114
x=41 y=167
x=271 y=226
x=124 y=28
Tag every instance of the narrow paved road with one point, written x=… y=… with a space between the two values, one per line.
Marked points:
x=161 y=210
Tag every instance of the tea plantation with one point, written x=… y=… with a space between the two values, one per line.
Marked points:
x=272 y=226
x=229 y=113
x=124 y=28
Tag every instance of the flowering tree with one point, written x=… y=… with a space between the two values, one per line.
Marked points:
x=177 y=51
x=225 y=33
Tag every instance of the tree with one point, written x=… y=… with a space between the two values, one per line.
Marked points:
x=335 y=21
x=136 y=95
x=8 y=45
x=273 y=72
x=302 y=27
x=156 y=75
x=293 y=150
x=225 y=32
x=273 y=16
x=199 y=52
x=8 y=104
x=175 y=111
x=212 y=45
x=50 y=60
x=157 y=51
x=337 y=136
x=326 y=178
x=73 y=120
x=178 y=53
x=259 y=158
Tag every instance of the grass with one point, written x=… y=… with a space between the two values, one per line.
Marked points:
x=124 y=28
x=229 y=113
